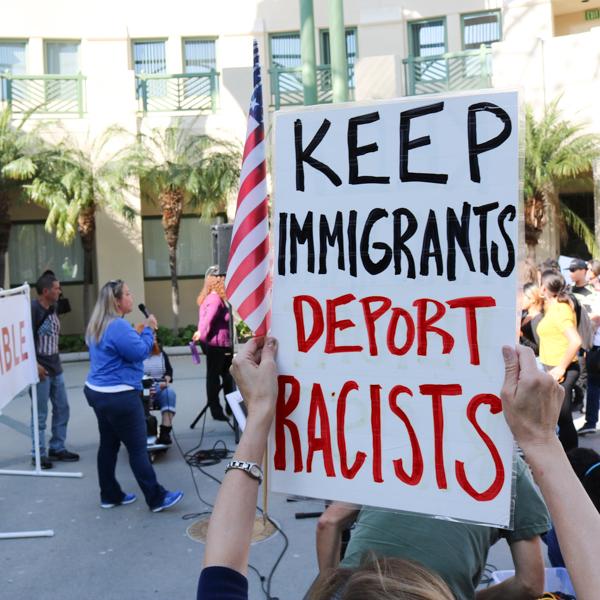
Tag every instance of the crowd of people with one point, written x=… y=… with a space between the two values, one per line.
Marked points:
x=389 y=555
x=560 y=324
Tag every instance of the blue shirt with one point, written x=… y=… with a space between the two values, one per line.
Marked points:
x=117 y=359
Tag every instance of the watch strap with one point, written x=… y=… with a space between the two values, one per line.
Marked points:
x=251 y=469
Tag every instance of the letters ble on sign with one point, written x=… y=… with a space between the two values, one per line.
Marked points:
x=393 y=292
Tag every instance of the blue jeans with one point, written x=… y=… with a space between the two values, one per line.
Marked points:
x=121 y=419
x=53 y=389
x=592 y=402
x=165 y=398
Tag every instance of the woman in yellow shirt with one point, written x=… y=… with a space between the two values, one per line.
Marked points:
x=559 y=344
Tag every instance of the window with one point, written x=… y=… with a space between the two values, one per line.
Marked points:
x=32 y=250
x=427 y=38
x=350 y=46
x=62 y=58
x=350 y=51
x=480 y=28
x=150 y=58
x=285 y=50
x=194 y=250
x=12 y=59
x=199 y=56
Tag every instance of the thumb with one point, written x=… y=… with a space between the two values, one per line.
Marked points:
x=269 y=350
x=511 y=370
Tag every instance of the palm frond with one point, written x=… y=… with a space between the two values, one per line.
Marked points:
x=580 y=228
x=556 y=151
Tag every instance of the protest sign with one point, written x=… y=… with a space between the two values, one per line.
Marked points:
x=394 y=289
x=18 y=366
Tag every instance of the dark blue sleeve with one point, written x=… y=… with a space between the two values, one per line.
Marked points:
x=222 y=583
x=554 y=553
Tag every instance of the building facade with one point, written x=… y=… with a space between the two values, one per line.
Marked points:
x=140 y=65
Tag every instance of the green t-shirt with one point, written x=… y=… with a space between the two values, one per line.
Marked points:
x=456 y=551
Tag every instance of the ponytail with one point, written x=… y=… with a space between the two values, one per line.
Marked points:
x=556 y=285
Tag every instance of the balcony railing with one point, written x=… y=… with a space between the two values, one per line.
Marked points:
x=287 y=89
x=178 y=93
x=468 y=70
x=45 y=94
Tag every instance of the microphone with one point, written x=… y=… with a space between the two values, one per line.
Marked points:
x=142 y=307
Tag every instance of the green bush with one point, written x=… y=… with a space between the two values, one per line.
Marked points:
x=166 y=337
x=244 y=333
x=72 y=343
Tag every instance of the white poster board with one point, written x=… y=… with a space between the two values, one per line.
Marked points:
x=18 y=367
x=394 y=289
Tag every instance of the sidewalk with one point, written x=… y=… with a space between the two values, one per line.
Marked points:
x=129 y=553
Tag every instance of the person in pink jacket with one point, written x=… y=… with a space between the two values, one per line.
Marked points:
x=215 y=335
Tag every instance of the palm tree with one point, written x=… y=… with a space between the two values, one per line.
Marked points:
x=19 y=158
x=72 y=184
x=179 y=168
x=555 y=152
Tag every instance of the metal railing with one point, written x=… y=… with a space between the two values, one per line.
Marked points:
x=45 y=94
x=287 y=88
x=178 y=93
x=467 y=70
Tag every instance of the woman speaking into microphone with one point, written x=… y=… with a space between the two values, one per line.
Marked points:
x=113 y=389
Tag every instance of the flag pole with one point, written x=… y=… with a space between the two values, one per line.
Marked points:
x=265 y=484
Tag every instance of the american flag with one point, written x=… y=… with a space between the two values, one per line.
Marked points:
x=248 y=280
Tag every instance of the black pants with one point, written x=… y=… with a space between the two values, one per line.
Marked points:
x=567 y=434
x=218 y=361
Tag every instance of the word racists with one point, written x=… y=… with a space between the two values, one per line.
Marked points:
x=319 y=420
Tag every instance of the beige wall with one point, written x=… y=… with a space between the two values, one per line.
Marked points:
x=531 y=58
x=158 y=300
x=573 y=23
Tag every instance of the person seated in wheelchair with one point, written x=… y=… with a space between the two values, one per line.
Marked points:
x=162 y=396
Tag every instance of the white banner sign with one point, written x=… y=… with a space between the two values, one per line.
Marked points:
x=394 y=290
x=18 y=367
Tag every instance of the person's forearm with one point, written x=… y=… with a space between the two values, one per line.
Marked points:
x=329 y=544
x=569 y=355
x=228 y=539
x=566 y=497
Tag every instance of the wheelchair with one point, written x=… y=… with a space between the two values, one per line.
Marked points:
x=154 y=449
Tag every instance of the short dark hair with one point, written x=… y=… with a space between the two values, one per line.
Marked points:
x=585 y=463
x=550 y=264
x=45 y=282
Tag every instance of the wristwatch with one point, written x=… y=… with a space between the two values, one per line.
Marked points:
x=251 y=469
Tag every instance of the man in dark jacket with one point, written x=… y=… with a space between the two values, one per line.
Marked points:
x=46 y=329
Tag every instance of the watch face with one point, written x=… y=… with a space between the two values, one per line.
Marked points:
x=255 y=472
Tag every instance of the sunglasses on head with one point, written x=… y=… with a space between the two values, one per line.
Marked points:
x=115 y=283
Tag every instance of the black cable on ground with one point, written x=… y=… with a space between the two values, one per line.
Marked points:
x=198 y=458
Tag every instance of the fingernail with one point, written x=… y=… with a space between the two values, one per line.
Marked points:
x=506 y=352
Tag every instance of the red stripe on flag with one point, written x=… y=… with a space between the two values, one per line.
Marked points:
x=258 y=214
x=256 y=176
x=255 y=137
x=263 y=328
x=252 y=260
x=254 y=300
